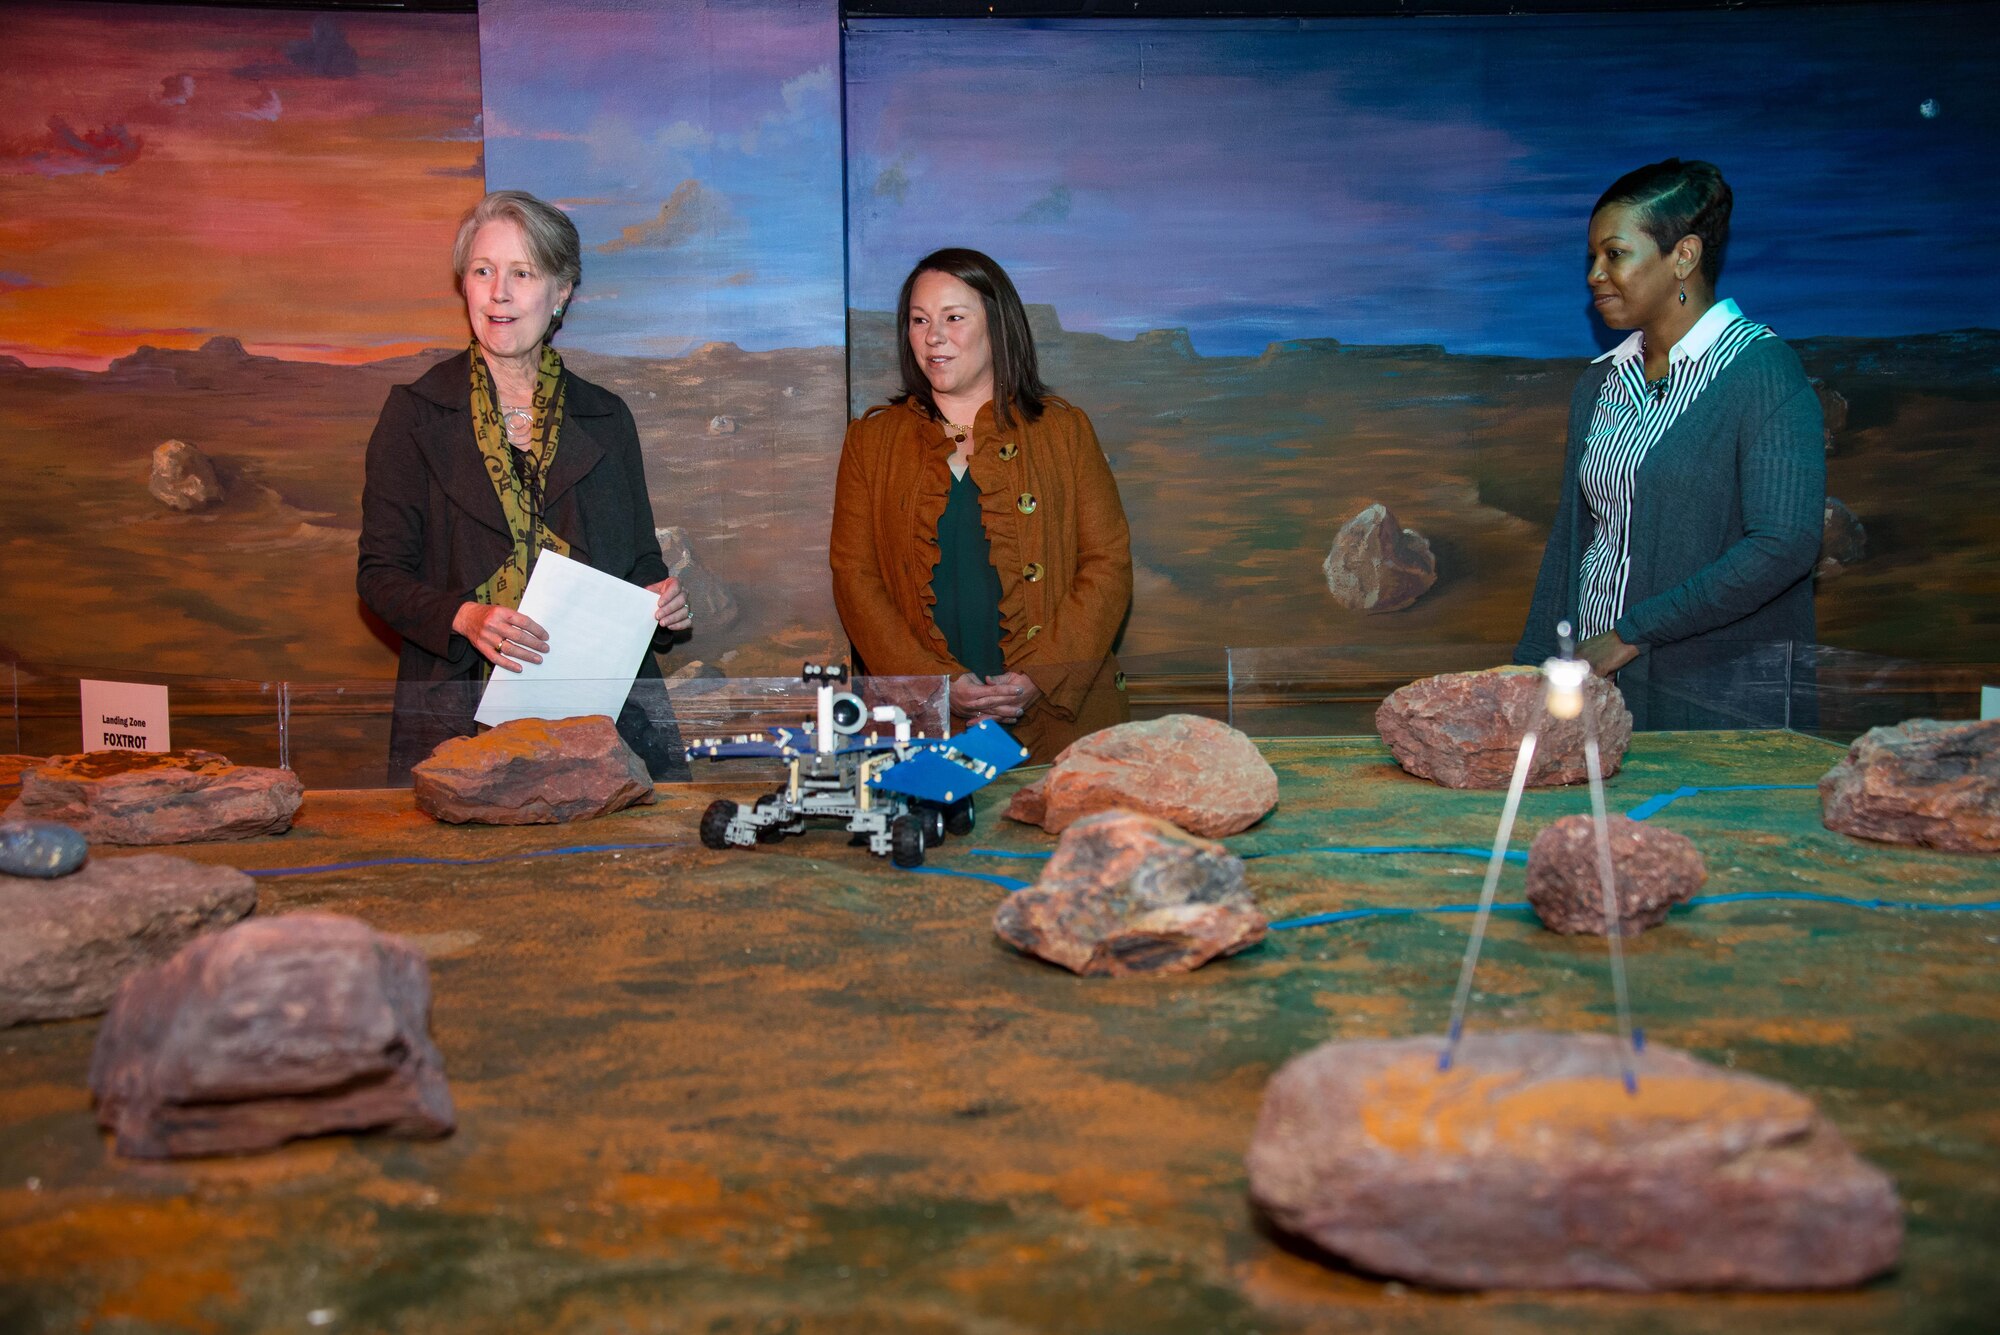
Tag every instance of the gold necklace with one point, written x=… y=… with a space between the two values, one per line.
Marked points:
x=957 y=432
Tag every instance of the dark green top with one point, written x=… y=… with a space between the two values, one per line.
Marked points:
x=966 y=584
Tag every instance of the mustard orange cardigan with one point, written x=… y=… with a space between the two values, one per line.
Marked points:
x=1057 y=536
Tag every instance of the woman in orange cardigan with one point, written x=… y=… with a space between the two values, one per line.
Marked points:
x=977 y=531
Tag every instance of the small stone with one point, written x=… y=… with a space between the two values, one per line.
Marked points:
x=720 y=425
x=1529 y=1166
x=1843 y=541
x=1126 y=894
x=67 y=944
x=183 y=477
x=1932 y=784
x=275 y=1029
x=533 y=772
x=43 y=849
x=1202 y=775
x=1464 y=729
x=159 y=797
x=1377 y=565
x=1653 y=869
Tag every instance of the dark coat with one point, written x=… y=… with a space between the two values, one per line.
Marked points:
x=1727 y=513
x=432 y=531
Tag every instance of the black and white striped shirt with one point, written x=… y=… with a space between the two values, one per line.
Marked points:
x=1630 y=418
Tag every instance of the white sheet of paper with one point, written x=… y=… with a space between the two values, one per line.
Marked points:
x=1989 y=702
x=124 y=716
x=599 y=628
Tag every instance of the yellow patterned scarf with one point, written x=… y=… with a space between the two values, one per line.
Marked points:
x=520 y=491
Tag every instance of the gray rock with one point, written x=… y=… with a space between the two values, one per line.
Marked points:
x=710 y=602
x=275 y=1029
x=720 y=425
x=1529 y=1166
x=1833 y=410
x=43 y=849
x=1377 y=565
x=1127 y=893
x=67 y=944
x=183 y=477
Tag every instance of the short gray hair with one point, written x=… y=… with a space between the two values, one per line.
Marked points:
x=552 y=240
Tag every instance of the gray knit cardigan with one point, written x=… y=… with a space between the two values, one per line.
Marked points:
x=1727 y=512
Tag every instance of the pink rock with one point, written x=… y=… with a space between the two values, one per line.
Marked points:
x=275 y=1029
x=1202 y=775
x=1127 y=893
x=1529 y=1166
x=533 y=772
x=1030 y=805
x=1377 y=565
x=159 y=797
x=1464 y=729
x=1653 y=869
x=1936 y=785
x=68 y=943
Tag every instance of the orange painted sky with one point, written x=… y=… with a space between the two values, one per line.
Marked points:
x=288 y=179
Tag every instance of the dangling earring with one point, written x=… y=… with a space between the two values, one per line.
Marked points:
x=1684 y=294
x=1684 y=297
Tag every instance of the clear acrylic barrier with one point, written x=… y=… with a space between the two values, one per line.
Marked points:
x=336 y=734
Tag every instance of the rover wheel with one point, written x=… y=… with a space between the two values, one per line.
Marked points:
x=906 y=842
x=958 y=818
x=768 y=834
x=931 y=821
x=715 y=823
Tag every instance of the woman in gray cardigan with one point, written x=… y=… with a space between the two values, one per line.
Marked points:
x=1694 y=481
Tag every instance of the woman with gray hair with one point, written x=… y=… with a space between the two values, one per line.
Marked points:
x=483 y=462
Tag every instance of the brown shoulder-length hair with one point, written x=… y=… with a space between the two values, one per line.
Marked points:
x=1017 y=382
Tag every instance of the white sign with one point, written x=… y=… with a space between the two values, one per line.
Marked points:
x=599 y=628
x=1989 y=702
x=124 y=716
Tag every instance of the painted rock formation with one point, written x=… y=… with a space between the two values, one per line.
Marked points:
x=1464 y=729
x=1528 y=1165
x=710 y=602
x=159 y=797
x=1923 y=782
x=1377 y=565
x=1653 y=869
x=183 y=477
x=1202 y=775
x=43 y=849
x=533 y=772
x=1127 y=893
x=275 y=1029
x=1843 y=541
x=67 y=944
x=1833 y=409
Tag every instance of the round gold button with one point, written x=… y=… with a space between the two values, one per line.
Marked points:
x=1009 y=450
x=1026 y=505
x=1031 y=571
x=1031 y=632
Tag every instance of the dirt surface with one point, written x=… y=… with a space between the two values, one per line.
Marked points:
x=792 y=1089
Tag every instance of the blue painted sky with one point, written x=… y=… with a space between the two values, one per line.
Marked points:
x=1427 y=180
x=698 y=148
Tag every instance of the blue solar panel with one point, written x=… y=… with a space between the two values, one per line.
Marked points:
x=929 y=777
x=987 y=741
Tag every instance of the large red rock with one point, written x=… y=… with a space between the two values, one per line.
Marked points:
x=1377 y=565
x=1127 y=893
x=1529 y=1166
x=1202 y=775
x=533 y=772
x=1923 y=782
x=183 y=478
x=275 y=1029
x=66 y=944
x=1464 y=729
x=1653 y=869
x=159 y=797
